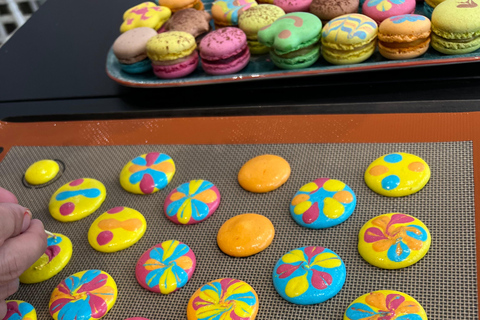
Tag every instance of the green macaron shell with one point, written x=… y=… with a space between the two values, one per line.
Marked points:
x=456 y=26
x=291 y=32
x=297 y=62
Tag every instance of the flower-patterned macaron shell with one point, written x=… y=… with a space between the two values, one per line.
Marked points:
x=323 y=203
x=20 y=310
x=192 y=202
x=385 y=304
x=393 y=241
x=309 y=275
x=148 y=173
x=166 y=267
x=225 y=299
x=85 y=295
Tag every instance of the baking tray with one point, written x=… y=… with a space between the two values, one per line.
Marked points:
x=261 y=67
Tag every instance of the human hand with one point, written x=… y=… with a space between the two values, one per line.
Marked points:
x=22 y=242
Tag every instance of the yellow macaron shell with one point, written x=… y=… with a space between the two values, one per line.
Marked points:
x=245 y=235
x=146 y=14
x=171 y=45
x=397 y=174
x=77 y=199
x=404 y=37
x=177 y=5
x=42 y=172
x=57 y=256
x=393 y=241
x=117 y=229
x=353 y=43
x=385 y=303
x=264 y=173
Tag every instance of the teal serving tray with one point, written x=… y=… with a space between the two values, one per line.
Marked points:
x=261 y=67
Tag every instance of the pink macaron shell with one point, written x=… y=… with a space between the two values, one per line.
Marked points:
x=378 y=12
x=141 y=272
x=293 y=5
x=178 y=70
x=233 y=66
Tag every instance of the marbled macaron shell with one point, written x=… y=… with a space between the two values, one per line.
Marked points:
x=195 y=22
x=380 y=10
x=327 y=10
x=293 y=5
x=130 y=46
x=291 y=32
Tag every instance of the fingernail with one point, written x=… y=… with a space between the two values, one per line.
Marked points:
x=27 y=217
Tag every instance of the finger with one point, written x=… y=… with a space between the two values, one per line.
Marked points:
x=7 y=197
x=3 y=309
x=6 y=290
x=15 y=220
x=20 y=252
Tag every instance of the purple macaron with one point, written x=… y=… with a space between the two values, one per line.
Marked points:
x=380 y=10
x=224 y=51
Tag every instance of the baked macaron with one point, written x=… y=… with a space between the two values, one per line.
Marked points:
x=293 y=5
x=146 y=14
x=195 y=22
x=327 y=10
x=255 y=18
x=293 y=39
x=224 y=51
x=177 y=5
x=173 y=54
x=429 y=6
x=225 y=13
x=404 y=37
x=130 y=48
x=456 y=27
x=380 y=10
x=349 y=39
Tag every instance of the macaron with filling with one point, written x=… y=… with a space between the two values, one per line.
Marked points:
x=255 y=18
x=130 y=48
x=293 y=39
x=349 y=39
x=224 y=51
x=195 y=22
x=293 y=5
x=226 y=13
x=327 y=10
x=380 y=10
x=404 y=37
x=456 y=27
x=177 y=5
x=173 y=54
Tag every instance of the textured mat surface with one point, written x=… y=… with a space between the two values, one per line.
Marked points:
x=444 y=282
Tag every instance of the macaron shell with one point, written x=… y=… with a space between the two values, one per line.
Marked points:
x=380 y=10
x=264 y=173
x=171 y=45
x=20 y=310
x=177 y=5
x=327 y=10
x=404 y=36
x=223 y=43
x=401 y=306
x=291 y=32
x=255 y=18
x=146 y=14
x=42 y=172
x=227 y=12
x=358 y=31
x=293 y=5
x=177 y=70
x=189 y=20
x=301 y=61
x=130 y=46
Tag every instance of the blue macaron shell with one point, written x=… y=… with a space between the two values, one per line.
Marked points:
x=314 y=217
x=427 y=10
x=137 y=67
x=309 y=275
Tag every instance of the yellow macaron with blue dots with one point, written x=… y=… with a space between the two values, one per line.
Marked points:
x=397 y=174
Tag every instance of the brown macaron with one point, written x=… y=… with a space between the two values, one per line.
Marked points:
x=327 y=10
x=131 y=46
x=195 y=22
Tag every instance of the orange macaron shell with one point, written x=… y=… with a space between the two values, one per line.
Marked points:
x=177 y=5
x=404 y=36
x=245 y=235
x=264 y=173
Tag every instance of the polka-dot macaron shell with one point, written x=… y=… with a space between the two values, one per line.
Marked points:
x=397 y=174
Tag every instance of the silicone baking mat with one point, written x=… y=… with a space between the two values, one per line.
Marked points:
x=444 y=282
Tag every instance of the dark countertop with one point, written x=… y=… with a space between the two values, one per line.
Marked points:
x=54 y=66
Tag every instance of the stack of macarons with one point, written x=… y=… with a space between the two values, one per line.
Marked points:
x=178 y=37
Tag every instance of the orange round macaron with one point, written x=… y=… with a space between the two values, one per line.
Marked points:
x=245 y=235
x=264 y=173
x=404 y=37
x=177 y=5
